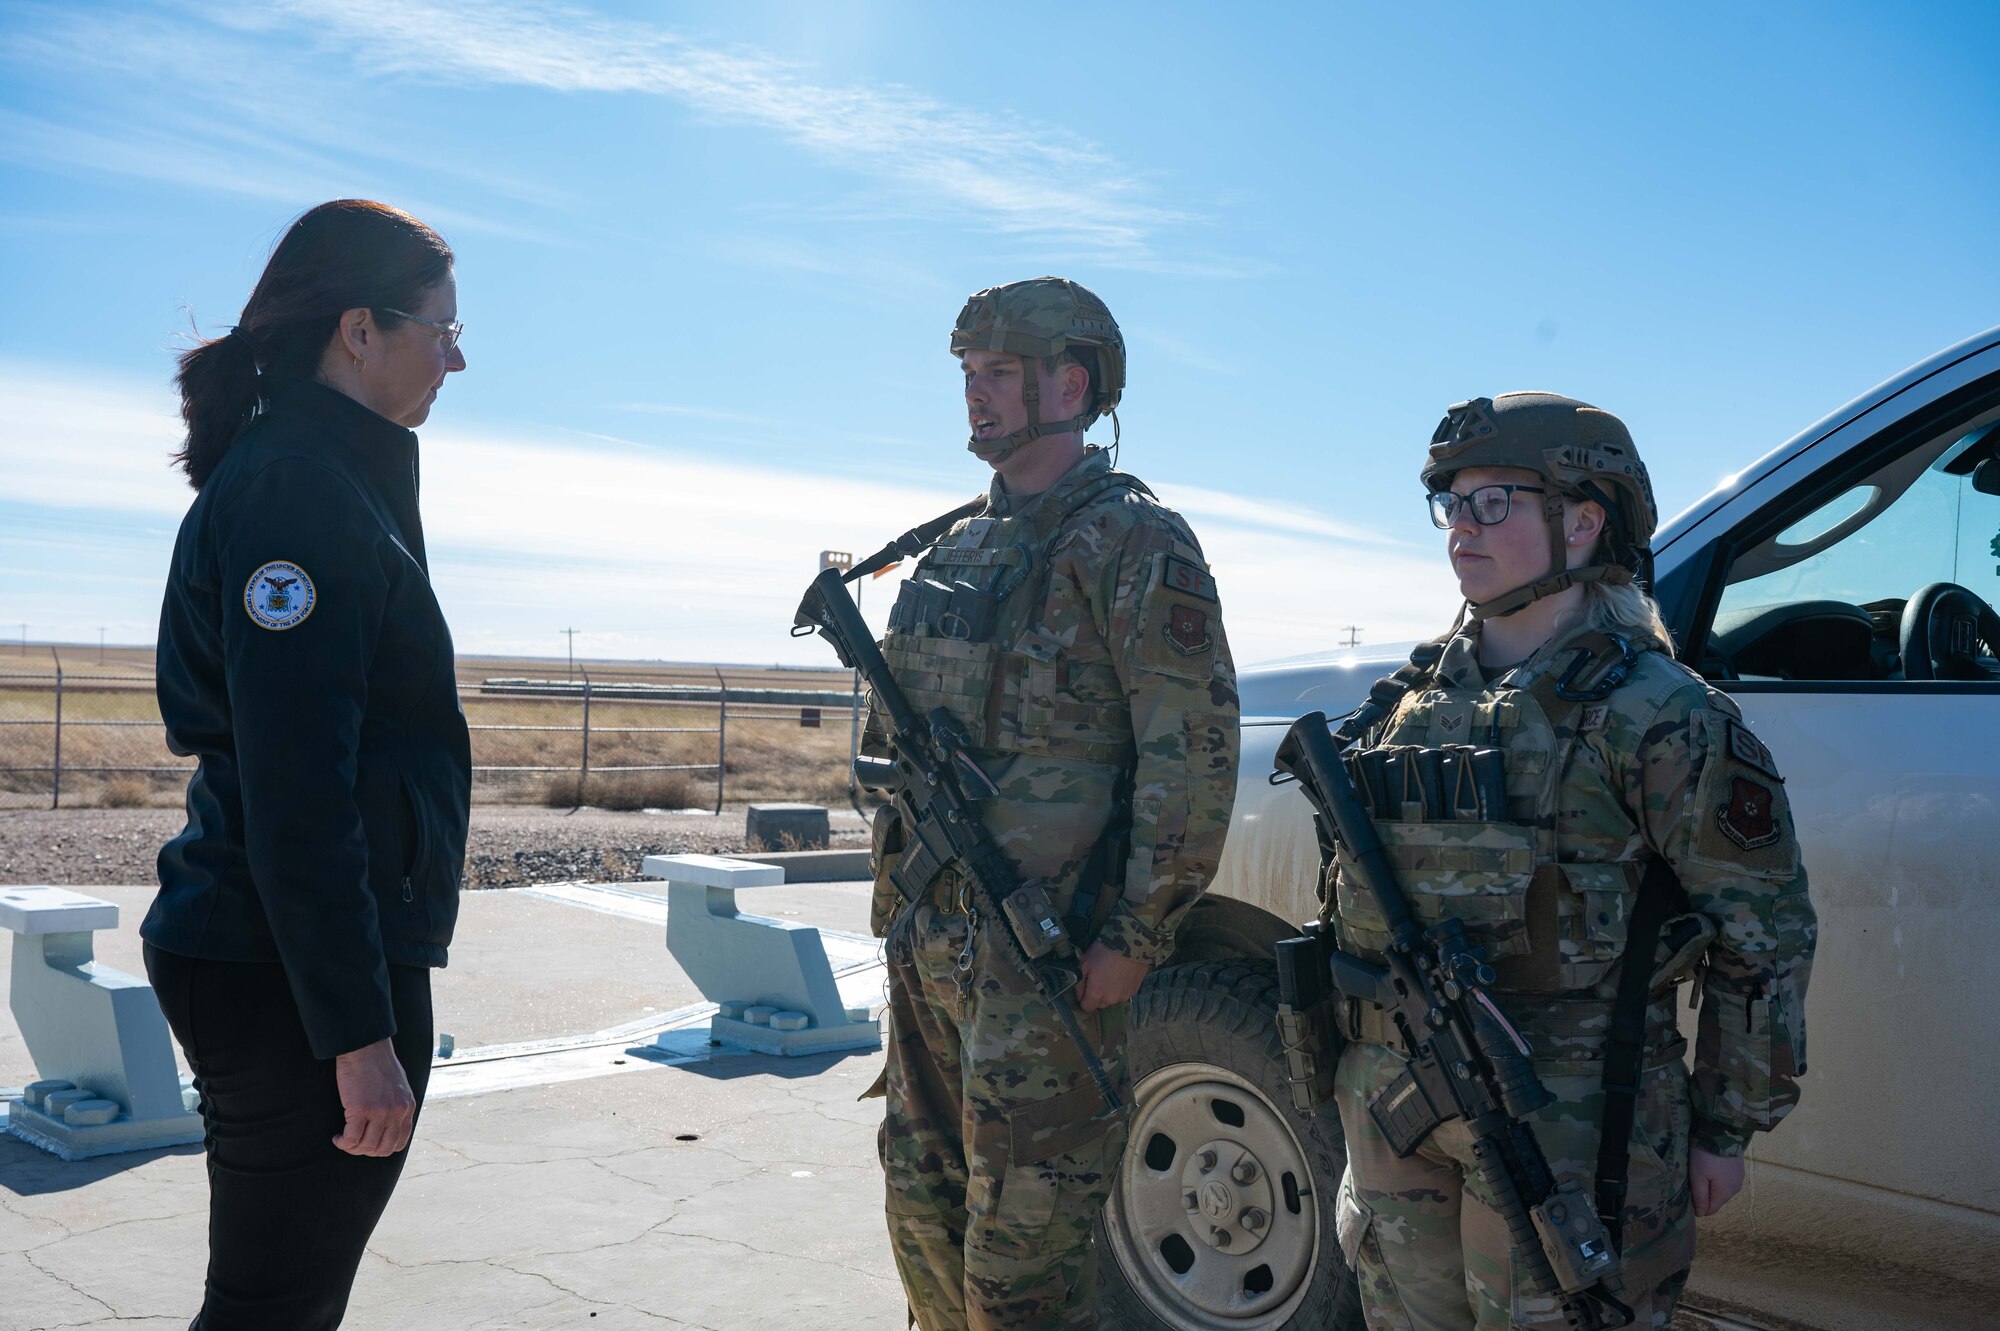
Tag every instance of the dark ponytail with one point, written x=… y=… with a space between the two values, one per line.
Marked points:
x=345 y=255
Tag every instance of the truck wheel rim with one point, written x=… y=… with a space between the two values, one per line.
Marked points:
x=1176 y=1221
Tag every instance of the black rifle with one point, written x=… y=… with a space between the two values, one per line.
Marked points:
x=928 y=774
x=1466 y=1060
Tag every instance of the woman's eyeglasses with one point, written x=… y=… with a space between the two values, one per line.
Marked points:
x=446 y=333
x=1489 y=504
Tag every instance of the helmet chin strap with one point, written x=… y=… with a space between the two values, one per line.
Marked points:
x=1612 y=575
x=998 y=451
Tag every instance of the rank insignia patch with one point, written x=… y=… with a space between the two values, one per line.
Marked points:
x=278 y=596
x=1187 y=629
x=1748 y=816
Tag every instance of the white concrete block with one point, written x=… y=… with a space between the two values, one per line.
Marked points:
x=712 y=871
x=54 y=910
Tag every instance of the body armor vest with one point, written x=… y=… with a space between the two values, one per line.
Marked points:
x=1467 y=786
x=965 y=634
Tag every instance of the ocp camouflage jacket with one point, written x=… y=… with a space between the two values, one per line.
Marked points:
x=1663 y=766
x=1104 y=668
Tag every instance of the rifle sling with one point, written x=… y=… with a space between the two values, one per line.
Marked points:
x=914 y=541
x=1660 y=894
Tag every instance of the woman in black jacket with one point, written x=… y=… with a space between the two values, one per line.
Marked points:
x=304 y=661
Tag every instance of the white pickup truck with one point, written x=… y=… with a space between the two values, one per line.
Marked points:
x=1841 y=589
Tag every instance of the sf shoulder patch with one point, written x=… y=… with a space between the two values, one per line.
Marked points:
x=278 y=596
x=1738 y=819
x=1183 y=575
x=1747 y=749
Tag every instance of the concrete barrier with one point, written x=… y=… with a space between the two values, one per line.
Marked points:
x=102 y=1052
x=777 y=826
x=770 y=979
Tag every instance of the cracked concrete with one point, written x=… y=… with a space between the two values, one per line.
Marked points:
x=564 y=1205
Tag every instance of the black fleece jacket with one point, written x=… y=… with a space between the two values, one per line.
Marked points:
x=304 y=661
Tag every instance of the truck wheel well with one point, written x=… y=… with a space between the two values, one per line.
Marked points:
x=1225 y=929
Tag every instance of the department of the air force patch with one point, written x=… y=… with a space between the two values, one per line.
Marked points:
x=278 y=595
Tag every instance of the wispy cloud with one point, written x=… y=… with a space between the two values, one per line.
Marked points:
x=1034 y=180
x=655 y=552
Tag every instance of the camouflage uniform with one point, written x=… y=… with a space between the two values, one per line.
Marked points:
x=1659 y=767
x=1105 y=670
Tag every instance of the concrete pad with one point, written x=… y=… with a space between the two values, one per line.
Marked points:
x=553 y=1205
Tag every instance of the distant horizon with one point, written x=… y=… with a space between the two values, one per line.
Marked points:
x=12 y=647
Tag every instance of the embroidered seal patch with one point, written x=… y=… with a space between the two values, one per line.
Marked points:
x=1748 y=817
x=1187 y=629
x=278 y=596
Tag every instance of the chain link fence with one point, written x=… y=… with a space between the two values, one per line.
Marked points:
x=89 y=734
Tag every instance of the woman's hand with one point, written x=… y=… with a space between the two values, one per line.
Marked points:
x=377 y=1099
x=1108 y=978
x=1713 y=1179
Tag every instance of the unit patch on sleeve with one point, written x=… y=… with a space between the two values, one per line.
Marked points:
x=278 y=596
x=1748 y=816
x=1187 y=629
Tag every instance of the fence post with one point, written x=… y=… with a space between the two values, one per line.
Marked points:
x=721 y=740
x=583 y=778
x=55 y=793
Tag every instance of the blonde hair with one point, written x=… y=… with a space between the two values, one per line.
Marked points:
x=1622 y=608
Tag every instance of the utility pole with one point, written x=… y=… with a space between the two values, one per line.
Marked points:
x=24 y=639
x=1353 y=632
x=100 y=644
x=572 y=650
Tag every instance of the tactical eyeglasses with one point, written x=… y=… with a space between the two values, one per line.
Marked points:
x=1489 y=504
x=446 y=333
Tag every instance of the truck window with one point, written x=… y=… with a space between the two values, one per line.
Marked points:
x=1824 y=598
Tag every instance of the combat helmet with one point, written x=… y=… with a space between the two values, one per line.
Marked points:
x=1045 y=316
x=1583 y=453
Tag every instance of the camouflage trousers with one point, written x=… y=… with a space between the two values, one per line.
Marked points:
x=1430 y=1252
x=995 y=1158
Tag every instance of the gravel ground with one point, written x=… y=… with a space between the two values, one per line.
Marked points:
x=511 y=846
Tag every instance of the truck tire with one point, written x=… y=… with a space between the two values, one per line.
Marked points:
x=1221 y=1218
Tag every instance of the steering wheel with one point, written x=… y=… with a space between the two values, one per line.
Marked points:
x=1945 y=632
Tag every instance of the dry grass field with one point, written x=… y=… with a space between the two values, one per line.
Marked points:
x=642 y=753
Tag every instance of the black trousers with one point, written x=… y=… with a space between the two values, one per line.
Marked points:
x=289 y=1214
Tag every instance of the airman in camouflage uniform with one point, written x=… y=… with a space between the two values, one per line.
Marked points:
x=1076 y=634
x=1632 y=759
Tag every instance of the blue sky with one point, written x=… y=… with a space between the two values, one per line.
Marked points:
x=709 y=254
